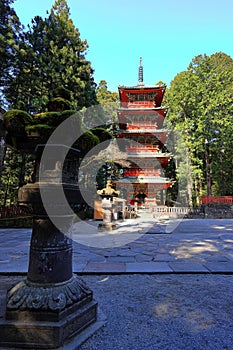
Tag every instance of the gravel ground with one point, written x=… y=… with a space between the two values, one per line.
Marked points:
x=160 y=312
x=167 y=312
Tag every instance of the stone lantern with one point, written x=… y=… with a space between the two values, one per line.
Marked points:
x=108 y=194
x=52 y=306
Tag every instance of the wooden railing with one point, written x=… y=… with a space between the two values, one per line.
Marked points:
x=138 y=149
x=217 y=200
x=214 y=212
x=171 y=210
x=141 y=126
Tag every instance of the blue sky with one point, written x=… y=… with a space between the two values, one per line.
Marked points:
x=166 y=33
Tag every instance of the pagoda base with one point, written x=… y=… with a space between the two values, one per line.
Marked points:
x=107 y=226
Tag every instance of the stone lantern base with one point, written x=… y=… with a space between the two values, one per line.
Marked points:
x=107 y=226
x=66 y=329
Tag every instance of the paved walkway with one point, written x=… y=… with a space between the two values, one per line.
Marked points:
x=136 y=246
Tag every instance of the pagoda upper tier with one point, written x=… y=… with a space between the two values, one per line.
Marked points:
x=141 y=96
x=133 y=118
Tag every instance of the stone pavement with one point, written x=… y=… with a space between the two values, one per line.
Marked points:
x=136 y=246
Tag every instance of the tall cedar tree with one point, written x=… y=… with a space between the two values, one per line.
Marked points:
x=51 y=54
x=200 y=107
x=10 y=29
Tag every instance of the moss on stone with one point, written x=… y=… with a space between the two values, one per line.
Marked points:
x=39 y=130
x=59 y=104
x=52 y=118
x=15 y=122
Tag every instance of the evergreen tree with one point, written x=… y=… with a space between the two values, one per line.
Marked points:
x=200 y=101
x=17 y=170
x=109 y=104
x=2 y=145
x=10 y=29
x=51 y=54
x=104 y=95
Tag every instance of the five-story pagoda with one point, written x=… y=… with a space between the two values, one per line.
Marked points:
x=141 y=118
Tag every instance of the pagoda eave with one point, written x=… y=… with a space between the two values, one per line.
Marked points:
x=141 y=96
x=161 y=183
x=142 y=87
x=149 y=155
x=143 y=131
x=156 y=134
x=149 y=109
x=145 y=179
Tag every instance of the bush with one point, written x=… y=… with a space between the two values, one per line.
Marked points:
x=17 y=222
x=102 y=134
x=87 y=141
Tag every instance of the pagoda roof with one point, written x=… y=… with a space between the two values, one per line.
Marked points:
x=148 y=155
x=146 y=179
x=144 y=131
x=135 y=109
x=141 y=87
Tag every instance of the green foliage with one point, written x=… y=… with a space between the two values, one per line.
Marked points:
x=17 y=222
x=42 y=130
x=109 y=103
x=10 y=29
x=62 y=92
x=52 y=118
x=24 y=131
x=18 y=169
x=104 y=95
x=58 y=104
x=61 y=100
x=20 y=125
x=15 y=122
x=160 y=82
x=51 y=54
x=102 y=134
x=87 y=141
x=201 y=109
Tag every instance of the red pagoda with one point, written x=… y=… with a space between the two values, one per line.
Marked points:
x=141 y=119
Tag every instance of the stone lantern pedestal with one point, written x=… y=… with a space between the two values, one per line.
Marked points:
x=107 y=195
x=107 y=223
x=52 y=306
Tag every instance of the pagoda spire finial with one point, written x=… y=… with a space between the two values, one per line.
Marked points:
x=140 y=73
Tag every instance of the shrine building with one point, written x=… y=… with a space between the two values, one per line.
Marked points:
x=141 y=128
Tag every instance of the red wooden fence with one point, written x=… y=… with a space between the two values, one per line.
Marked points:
x=13 y=211
x=217 y=199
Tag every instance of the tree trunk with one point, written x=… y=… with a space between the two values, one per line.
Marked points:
x=2 y=146
x=2 y=154
x=208 y=178
x=197 y=191
x=22 y=171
